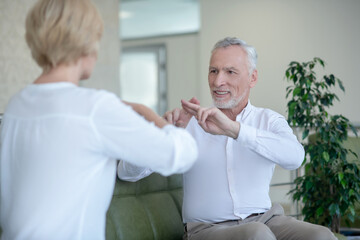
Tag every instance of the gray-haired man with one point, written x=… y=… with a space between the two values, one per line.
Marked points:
x=226 y=191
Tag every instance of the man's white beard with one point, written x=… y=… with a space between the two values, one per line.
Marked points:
x=232 y=103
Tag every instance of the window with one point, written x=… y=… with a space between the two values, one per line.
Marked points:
x=150 y=18
x=281 y=184
x=143 y=76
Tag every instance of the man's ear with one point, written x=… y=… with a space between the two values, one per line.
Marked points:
x=253 y=78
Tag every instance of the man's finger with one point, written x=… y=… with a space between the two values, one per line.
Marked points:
x=190 y=110
x=168 y=117
x=204 y=116
x=195 y=101
x=180 y=124
x=190 y=105
x=176 y=114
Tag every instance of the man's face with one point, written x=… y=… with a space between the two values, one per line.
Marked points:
x=229 y=79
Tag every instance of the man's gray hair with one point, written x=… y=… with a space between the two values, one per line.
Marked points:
x=250 y=50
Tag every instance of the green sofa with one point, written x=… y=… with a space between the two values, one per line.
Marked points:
x=353 y=143
x=147 y=209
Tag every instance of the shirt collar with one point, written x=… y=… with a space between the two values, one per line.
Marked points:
x=245 y=112
x=53 y=85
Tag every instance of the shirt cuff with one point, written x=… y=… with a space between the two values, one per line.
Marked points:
x=247 y=135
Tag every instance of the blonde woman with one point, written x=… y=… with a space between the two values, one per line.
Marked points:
x=59 y=141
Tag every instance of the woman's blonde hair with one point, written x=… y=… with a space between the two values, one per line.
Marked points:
x=62 y=31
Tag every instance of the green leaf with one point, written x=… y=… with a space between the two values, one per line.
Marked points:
x=351 y=192
x=353 y=129
x=292 y=106
x=309 y=185
x=327 y=80
x=351 y=217
x=287 y=74
x=322 y=63
x=343 y=183
x=305 y=134
x=352 y=210
x=296 y=91
x=340 y=85
x=340 y=176
x=326 y=156
x=288 y=91
x=334 y=209
x=305 y=97
x=319 y=211
x=307 y=168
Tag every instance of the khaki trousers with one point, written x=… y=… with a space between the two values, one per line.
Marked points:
x=268 y=226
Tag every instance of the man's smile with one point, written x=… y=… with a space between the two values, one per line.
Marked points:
x=221 y=93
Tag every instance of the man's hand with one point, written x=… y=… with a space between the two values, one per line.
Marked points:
x=180 y=117
x=212 y=120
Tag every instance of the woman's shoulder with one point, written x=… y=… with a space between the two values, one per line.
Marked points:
x=92 y=96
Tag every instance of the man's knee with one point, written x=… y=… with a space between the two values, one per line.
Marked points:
x=320 y=233
x=285 y=227
x=258 y=231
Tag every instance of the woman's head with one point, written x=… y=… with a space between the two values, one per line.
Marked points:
x=62 y=31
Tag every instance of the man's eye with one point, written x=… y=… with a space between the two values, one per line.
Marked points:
x=213 y=71
x=231 y=72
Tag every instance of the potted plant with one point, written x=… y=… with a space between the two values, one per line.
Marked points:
x=331 y=185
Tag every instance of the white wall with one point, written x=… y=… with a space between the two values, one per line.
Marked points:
x=17 y=69
x=106 y=72
x=182 y=65
x=282 y=31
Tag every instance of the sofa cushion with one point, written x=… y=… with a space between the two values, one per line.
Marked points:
x=147 y=209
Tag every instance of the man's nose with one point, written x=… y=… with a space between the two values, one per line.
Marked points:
x=219 y=80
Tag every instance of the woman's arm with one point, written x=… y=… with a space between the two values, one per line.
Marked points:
x=147 y=113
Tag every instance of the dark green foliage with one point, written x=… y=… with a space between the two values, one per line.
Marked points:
x=331 y=185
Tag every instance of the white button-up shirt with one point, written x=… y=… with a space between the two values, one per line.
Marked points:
x=231 y=177
x=58 y=148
